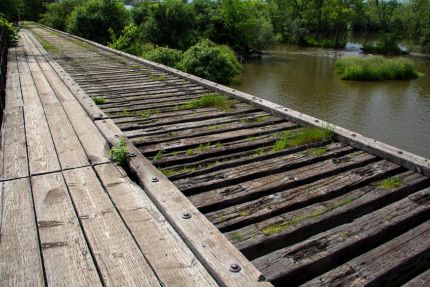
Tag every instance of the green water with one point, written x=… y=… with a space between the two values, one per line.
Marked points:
x=394 y=112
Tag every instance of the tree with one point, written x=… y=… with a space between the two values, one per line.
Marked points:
x=57 y=13
x=210 y=61
x=170 y=23
x=95 y=18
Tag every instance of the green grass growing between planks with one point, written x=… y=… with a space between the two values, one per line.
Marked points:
x=99 y=100
x=301 y=137
x=214 y=100
x=278 y=227
x=119 y=152
x=375 y=69
x=391 y=183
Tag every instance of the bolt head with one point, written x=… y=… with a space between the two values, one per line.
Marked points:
x=234 y=268
x=186 y=215
x=154 y=179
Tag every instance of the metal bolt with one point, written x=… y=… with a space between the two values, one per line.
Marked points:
x=186 y=215
x=234 y=268
x=155 y=179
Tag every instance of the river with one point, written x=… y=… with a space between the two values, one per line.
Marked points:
x=394 y=112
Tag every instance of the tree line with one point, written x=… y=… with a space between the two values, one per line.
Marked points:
x=246 y=26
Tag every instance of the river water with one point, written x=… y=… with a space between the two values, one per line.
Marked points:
x=394 y=112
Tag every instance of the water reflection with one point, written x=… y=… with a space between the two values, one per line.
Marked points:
x=395 y=112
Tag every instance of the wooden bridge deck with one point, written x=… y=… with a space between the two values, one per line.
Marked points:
x=317 y=214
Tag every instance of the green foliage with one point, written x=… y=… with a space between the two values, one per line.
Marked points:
x=128 y=41
x=217 y=101
x=375 y=69
x=165 y=56
x=169 y=23
x=387 y=46
x=119 y=152
x=57 y=13
x=301 y=137
x=391 y=183
x=12 y=36
x=246 y=25
x=10 y=9
x=99 y=100
x=210 y=61
x=93 y=19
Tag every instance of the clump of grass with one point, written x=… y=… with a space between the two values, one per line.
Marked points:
x=246 y=212
x=203 y=148
x=99 y=100
x=318 y=151
x=237 y=236
x=391 y=183
x=301 y=137
x=175 y=171
x=251 y=139
x=375 y=69
x=125 y=112
x=159 y=155
x=148 y=113
x=262 y=119
x=157 y=77
x=119 y=152
x=214 y=100
x=278 y=227
x=215 y=127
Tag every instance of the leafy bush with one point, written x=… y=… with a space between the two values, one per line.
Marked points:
x=11 y=32
x=169 y=23
x=375 y=69
x=165 y=56
x=128 y=41
x=93 y=20
x=119 y=152
x=387 y=46
x=57 y=13
x=210 y=61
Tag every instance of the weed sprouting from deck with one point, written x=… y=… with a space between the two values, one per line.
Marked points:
x=391 y=183
x=237 y=236
x=125 y=112
x=206 y=147
x=148 y=113
x=263 y=118
x=214 y=100
x=280 y=226
x=157 y=77
x=99 y=100
x=318 y=151
x=301 y=137
x=215 y=127
x=159 y=155
x=119 y=152
x=175 y=171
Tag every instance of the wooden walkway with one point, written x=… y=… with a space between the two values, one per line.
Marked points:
x=347 y=211
x=69 y=216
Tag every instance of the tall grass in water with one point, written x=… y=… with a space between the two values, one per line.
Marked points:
x=375 y=69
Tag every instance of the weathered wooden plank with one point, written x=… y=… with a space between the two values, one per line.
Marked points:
x=252 y=189
x=13 y=145
x=20 y=260
x=169 y=256
x=328 y=187
x=203 y=131
x=66 y=257
x=215 y=124
x=322 y=252
x=69 y=149
x=421 y=280
x=256 y=169
x=210 y=246
x=388 y=265
x=42 y=155
x=119 y=259
x=195 y=141
x=13 y=96
x=297 y=225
